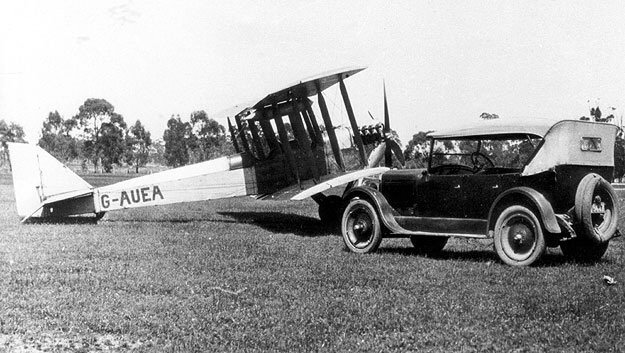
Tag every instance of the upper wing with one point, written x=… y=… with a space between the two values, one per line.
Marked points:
x=308 y=87
x=301 y=89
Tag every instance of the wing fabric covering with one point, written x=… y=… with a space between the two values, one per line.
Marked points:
x=39 y=177
x=340 y=180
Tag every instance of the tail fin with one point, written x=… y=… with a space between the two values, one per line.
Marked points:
x=37 y=176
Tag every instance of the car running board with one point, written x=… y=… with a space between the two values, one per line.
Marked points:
x=440 y=227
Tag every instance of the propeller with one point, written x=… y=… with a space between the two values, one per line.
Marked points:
x=388 y=155
x=389 y=146
x=392 y=147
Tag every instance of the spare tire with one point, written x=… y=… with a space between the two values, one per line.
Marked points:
x=596 y=209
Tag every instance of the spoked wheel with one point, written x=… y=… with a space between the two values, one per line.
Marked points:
x=519 y=239
x=361 y=229
x=428 y=244
x=596 y=209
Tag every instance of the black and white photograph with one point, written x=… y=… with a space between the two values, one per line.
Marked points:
x=312 y=176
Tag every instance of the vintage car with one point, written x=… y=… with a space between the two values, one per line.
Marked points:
x=526 y=184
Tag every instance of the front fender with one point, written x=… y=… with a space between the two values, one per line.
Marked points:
x=386 y=212
x=535 y=198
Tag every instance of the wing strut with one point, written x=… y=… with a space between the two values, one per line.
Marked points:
x=257 y=143
x=233 y=137
x=313 y=120
x=327 y=121
x=303 y=140
x=353 y=123
x=242 y=135
x=311 y=130
x=269 y=134
x=286 y=146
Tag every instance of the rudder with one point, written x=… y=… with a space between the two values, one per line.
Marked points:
x=38 y=176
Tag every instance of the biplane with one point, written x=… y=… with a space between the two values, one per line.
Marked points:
x=272 y=161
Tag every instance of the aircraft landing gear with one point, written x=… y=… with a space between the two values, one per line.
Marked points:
x=331 y=211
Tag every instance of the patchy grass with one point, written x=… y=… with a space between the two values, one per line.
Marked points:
x=245 y=275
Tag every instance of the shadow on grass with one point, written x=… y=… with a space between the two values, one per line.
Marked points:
x=63 y=220
x=548 y=260
x=471 y=255
x=283 y=223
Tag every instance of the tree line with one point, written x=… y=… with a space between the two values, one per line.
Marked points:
x=98 y=136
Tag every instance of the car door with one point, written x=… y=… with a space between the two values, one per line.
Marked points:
x=441 y=196
x=481 y=190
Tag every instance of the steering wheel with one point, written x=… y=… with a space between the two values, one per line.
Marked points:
x=480 y=161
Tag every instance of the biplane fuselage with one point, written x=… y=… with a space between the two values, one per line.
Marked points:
x=271 y=161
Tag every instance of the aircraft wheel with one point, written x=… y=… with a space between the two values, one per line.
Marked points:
x=519 y=239
x=99 y=215
x=331 y=211
x=361 y=228
x=583 y=250
x=596 y=209
x=424 y=244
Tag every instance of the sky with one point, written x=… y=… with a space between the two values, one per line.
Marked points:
x=443 y=62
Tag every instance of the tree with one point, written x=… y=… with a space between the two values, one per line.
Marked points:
x=488 y=116
x=110 y=144
x=156 y=152
x=56 y=138
x=100 y=128
x=177 y=137
x=417 y=151
x=138 y=143
x=208 y=138
x=11 y=132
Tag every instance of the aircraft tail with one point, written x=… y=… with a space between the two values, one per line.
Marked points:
x=39 y=180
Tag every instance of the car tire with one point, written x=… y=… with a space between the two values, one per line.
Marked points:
x=518 y=236
x=583 y=250
x=594 y=226
x=360 y=227
x=424 y=244
x=331 y=210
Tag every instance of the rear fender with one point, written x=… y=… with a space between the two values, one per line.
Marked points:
x=532 y=198
x=385 y=211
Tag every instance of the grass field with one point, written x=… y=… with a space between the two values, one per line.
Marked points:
x=245 y=275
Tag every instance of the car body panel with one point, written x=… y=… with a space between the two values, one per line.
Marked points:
x=458 y=201
x=562 y=145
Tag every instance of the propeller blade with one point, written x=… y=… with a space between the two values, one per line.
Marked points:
x=387 y=120
x=388 y=156
x=375 y=157
x=394 y=146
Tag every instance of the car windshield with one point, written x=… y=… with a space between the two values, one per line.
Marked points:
x=484 y=153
